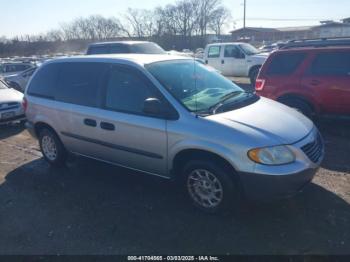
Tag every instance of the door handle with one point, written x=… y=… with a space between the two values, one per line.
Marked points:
x=90 y=122
x=223 y=62
x=206 y=61
x=107 y=126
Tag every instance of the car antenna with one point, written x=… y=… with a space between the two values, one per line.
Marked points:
x=195 y=83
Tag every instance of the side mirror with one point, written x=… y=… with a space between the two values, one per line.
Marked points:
x=152 y=106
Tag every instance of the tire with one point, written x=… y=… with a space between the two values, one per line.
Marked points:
x=52 y=148
x=22 y=123
x=253 y=75
x=300 y=105
x=216 y=178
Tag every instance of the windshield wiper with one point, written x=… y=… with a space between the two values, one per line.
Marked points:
x=223 y=99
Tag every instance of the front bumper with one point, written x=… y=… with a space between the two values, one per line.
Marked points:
x=274 y=182
x=13 y=119
x=270 y=187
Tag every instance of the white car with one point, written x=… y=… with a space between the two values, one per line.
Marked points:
x=19 y=81
x=7 y=69
x=235 y=59
x=11 y=109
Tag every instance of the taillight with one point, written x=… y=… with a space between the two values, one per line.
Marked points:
x=260 y=84
x=25 y=104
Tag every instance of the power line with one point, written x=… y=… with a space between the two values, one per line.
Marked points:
x=282 y=19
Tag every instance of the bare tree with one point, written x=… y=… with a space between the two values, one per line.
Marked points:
x=55 y=35
x=218 y=19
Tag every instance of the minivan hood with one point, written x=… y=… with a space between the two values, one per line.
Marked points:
x=10 y=95
x=268 y=122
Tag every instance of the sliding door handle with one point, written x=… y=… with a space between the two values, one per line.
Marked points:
x=90 y=122
x=107 y=126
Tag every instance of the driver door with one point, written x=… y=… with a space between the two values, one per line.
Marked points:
x=132 y=138
x=234 y=61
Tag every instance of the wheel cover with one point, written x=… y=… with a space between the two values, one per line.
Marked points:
x=205 y=188
x=49 y=147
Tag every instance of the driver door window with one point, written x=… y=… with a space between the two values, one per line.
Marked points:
x=232 y=51
x=127 y=91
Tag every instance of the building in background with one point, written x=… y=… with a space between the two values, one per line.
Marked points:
x=268 y=35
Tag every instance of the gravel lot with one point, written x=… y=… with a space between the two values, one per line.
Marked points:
x=94 y=208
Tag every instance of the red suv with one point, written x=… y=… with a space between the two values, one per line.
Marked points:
x=313 y=80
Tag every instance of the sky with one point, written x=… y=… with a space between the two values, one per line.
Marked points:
x=21 y=17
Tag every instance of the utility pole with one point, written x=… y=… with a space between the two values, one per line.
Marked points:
x=245 y=13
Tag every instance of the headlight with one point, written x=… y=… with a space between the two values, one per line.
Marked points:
x=272 y=156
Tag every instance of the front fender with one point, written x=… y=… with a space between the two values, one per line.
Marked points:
x=224 y=152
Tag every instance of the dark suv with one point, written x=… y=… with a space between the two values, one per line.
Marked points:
x=125 y=47
x=312 y=79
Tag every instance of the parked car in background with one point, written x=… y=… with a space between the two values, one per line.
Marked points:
x=199 y=53
x=171 y=117
x=314 y=80
x=125 y=47
x=19 y=81
x=12 y=68
x=11 y=109
x=177 y=53
x=272 y=47
x=235 y=59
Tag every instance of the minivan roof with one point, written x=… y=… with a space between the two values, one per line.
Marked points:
x=229 y=43
x=314 y=49
x=140 y=59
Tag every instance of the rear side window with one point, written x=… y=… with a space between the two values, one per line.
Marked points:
x=96 y=50
x=127 y=91
x=79 y=83
x=331 y=64
x=119 y=49
x=214 y=51
x=43 y=82
x=285 y=64
x=146 y=48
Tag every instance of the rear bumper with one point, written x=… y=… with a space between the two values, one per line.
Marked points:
x=271 y=187
x=30 y=128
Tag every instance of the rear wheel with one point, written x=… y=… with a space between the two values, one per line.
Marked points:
x=209 y=186
x=299 y=105
x=52 y=148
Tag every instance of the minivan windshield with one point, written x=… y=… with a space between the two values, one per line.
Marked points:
x=249 y=49
x=199 y=88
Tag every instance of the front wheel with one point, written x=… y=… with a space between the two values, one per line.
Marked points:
x=52 y=148
x=210 y=187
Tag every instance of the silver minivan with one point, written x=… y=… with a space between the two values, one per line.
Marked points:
x=174 y=118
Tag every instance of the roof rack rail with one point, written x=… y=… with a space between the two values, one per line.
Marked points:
x=318 y=42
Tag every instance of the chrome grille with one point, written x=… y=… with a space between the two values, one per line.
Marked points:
x=9 y=106
x=314 y=150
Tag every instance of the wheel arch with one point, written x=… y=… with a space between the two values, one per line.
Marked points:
x=299 y=97
x=253 y=68
x=40 y=126
x=185 y=155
